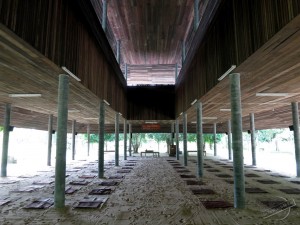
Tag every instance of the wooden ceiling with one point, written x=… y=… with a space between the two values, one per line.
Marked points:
x=151 y=35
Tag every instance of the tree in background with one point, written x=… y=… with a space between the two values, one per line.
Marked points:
x=137 y=139
x=94 y=138
x=159 y=137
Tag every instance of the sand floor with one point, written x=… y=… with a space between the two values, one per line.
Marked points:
x=151 y=193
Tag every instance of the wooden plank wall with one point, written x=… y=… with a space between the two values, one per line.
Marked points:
x=151 y=103
x=60 y=31
x=237 y=31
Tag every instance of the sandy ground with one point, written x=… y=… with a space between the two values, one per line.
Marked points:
x=152 y=193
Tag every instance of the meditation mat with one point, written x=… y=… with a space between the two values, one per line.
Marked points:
x=40 y=204
x=266 y=181
x=216 y=204
x=255 y=191
x=199 y=191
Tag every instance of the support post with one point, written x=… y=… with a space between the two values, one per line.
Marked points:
x=101 y=139
x=237 y=141
x=125 y=139
x=118 y=51
x=130 y=139
x=117 y=139
x=5 y=140
x=61 y=141
x=182 y=53
x=185 y=138
x=176 y=72
x=196 y=14
x=172 y=133
x=295 y=112
x=73 y=138
x=88 y=131
x=177 y=139
x=215 y=139
x=253 y=142
x=104 y=15
x=229 y=140
x=50 y=130
x=199 y=139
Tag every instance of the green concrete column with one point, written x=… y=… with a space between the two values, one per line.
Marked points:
x=172 y=133
x=229 y=140
x=177 y=139
x=125 y=139
x=117 y=139
x=104 y=15
x=101 y=139
x=88 y=131
x=50 y=130
x=199 y=139
x=130 y=139
x=253 y=142
x=5 y=140
x=176 y=72
x=182 y=52
x=196 y=14
x=73 y=138
x=185 y=138
x=215 y=139
x=295 y=113
x=118 y=51
x=237 y=141
x=61 y=141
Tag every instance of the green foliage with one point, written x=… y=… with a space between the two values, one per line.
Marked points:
x=268 y=135
x=1 y=129
x=158 y=137
x=137 y=139
x=94 y=138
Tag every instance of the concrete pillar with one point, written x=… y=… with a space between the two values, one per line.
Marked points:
x=73 y=138
x=253 y=142
x=172 y=133
x=185 y=138
x=196 y=14
x=117 y=139
x=182 y=52
x=118 y=51
x=101 y=139
x=295 y=112
x=88 y=131
x=130 y=139
x=215 y=139
x=199 y=139
x=6 y=128
x=177 y=139
x=176 y=72
x=61 y=141
x=237 y=141
x=229 y=140
x=125 y=139
x=50 y=130
x=104 y=15
x=126 y=71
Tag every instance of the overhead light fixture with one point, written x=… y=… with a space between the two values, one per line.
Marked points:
x=70 y=73
x=272 y=94
x=73 y=110
x=194 y=122
x=24 y=95
x=180 y=114
x=120 y=114
x=194 y=102
x=151 y=122
x=227 y=72
x=106 y=102
x=225 y=110
x=209 y=118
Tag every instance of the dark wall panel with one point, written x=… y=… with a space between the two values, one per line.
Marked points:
x=237 y=31
x=60 y=30
x=151 y=103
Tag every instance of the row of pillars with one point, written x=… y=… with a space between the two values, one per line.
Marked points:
x=61 y=140
x=235 y=143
